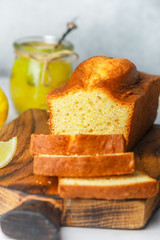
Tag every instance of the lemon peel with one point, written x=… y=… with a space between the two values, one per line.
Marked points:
x=3 y=108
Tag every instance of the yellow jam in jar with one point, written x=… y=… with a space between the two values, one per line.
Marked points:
x=28 y=89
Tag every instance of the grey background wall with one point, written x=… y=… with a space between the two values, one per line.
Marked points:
x=118 y=28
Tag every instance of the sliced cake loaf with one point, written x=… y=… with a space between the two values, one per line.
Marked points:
x=105 y=96
x=133 y=186
x=81 y=144
x=84 y=165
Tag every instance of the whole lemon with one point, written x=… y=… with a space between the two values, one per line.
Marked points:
x=3 y=108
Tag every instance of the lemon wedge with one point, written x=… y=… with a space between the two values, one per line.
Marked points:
x=7 y=151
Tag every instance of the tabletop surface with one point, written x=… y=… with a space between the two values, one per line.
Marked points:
x=151 y=231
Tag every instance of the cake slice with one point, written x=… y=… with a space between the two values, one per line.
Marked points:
x=84 y=165
x=83 y=144
x=105 y=96
x=133 y=186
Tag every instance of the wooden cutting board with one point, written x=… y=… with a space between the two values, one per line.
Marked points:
x=23 y=192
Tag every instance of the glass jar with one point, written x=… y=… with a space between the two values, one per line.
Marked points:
x=40 y=65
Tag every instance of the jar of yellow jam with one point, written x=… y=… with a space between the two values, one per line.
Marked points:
x=40 y=65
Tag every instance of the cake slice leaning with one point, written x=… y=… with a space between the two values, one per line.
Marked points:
x=84 y=165
x=81 y=144
x=134 y=186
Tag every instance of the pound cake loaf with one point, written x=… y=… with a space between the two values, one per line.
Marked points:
x=84 y=165
x=133 y=186
x=105 y=96
x=82 y=144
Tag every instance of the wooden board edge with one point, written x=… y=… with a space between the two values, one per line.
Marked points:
x=11 y=199
x=120 y=214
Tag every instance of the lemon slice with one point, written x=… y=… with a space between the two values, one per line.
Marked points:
x=7 y=151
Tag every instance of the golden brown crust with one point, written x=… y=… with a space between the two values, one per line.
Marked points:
x=117 y=77
x=49 y=144
x=84 y=166
x=143 y=115
x=109 y=192
x=82 y=144
x=101 y=72
x=116 y=192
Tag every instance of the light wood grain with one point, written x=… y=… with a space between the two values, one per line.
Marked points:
x=127 y=214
